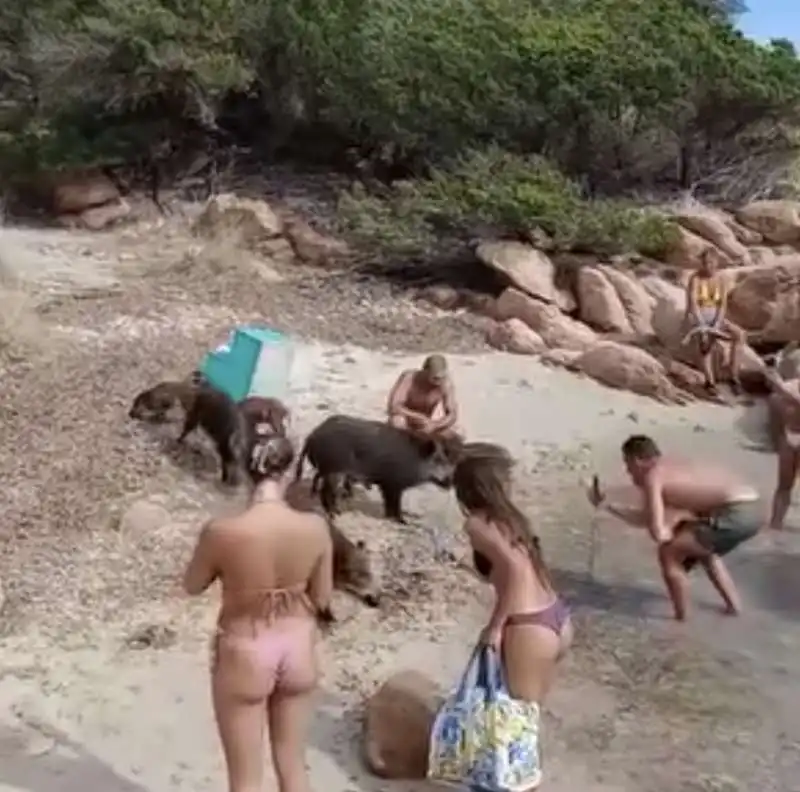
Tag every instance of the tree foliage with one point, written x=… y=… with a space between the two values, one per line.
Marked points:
x=614 y=95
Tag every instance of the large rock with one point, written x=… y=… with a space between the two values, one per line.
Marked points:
x=397 y=725
x=555 y=329
x=563 y=358
x=599 y=304
x=527 y=269
x=766 y=301
x=251 y=223
x=513 y=335
x=687 y=248
x=75 y=192
x=612 y=301
x=629 y=368
x=713 y=229
x=777 y=221
x=660 y=289
x=312 y=247
x=763 y=256
x=635 y=299
x=99 y=218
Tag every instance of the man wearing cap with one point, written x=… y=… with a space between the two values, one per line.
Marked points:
x=416 y=396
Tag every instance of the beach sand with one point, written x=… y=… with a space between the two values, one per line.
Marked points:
x=643 y=703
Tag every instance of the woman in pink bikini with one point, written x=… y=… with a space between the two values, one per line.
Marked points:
x=530 y=625
x=275 y=568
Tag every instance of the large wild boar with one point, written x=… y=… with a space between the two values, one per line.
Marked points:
x=344 y=449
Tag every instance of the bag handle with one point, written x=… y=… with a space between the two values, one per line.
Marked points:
x=471 y=677
x=491 y=675
x=485 y=671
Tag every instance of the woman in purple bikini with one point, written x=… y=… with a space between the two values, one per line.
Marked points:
x=530 y=625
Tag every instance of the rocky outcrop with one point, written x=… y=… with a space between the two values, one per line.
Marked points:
x=554 y=328
x=629 y=368
x=713 y=229
x=253 y=224
x=766 y=301
x=527 y=269
x=612 y=301
x=74 y=192
x=310 y=246
x=87 y=199
x=776 y=221
x=687 y=248
x=513 y=335
x=397 y=725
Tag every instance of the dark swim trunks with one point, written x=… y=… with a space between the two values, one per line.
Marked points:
x=725 y=529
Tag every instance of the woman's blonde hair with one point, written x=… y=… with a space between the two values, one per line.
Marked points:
x=482 y=484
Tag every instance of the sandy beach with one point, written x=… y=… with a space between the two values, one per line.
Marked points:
x=642 y=702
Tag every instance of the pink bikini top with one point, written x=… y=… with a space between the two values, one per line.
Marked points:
x=265 y=605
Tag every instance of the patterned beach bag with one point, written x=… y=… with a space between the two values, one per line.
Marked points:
x=482 y=738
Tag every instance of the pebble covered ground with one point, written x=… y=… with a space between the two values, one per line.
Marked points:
x=639 y=705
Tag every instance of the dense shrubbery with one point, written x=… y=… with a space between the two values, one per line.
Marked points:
x=492 y=99
x=494 y=189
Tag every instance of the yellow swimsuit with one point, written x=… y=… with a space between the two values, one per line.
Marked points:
x=708 y=297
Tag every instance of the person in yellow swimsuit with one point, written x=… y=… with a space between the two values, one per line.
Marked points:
x=707 y=298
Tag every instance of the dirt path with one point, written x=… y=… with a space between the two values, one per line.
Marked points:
x=642 y=704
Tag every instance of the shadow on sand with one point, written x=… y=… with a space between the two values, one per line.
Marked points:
x=771 y=581
x=64 y=765
x=583 y=592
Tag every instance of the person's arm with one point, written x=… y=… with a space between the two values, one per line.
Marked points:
x=501 y=611
x=777 y=383
x=722 y=308
x=320 y=586
x=654 y=508
x=202 y=569
x=487 y=543
x=399 y=396
x=632 y=515
x=449 y=410
x=691 y=298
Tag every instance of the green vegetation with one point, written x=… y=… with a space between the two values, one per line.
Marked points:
x=515 y=114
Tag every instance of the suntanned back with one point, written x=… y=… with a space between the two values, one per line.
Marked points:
x=700 y=487
x=270 y=546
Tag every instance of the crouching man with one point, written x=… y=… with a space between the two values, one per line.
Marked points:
x=723 y=513
x=424 y=401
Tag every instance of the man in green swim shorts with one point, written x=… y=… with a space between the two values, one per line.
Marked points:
x=722 y=512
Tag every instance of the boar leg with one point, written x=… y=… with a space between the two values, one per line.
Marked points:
x=189 y=424
x=328 y=493
x=392 y=508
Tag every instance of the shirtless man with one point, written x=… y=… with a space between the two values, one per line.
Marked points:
x=275 y=568
x=416 y=395
x=784 y=405
x=706 y=306
x=724 y=513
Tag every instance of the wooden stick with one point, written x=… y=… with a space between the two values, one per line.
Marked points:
x=594 y=538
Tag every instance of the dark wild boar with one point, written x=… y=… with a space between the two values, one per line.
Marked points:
x=210 y=409
x=354 y=570
x=344 y=450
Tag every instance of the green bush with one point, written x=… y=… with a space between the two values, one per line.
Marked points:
x=509 y=193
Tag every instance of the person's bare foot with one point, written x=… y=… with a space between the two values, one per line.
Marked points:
x=731 y=610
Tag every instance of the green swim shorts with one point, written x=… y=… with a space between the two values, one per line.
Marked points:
x=725 y=529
